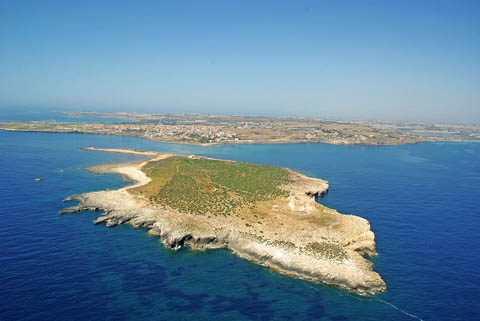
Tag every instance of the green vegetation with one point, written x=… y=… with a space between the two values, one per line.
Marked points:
x=205 y=186
x=326 y=250
x=284 y=244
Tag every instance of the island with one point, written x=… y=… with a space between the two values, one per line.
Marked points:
x=266 y=214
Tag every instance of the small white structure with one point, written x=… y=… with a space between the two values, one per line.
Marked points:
x=301 y=203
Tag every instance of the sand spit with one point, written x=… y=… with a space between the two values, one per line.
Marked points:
x=120 y=151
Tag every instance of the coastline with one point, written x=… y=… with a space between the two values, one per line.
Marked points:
x=250 y=142
x=282 y=253
x=120 y=151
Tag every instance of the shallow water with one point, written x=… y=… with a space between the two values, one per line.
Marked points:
x=421 y=200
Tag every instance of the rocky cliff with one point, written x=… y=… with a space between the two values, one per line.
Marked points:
x=294 y=235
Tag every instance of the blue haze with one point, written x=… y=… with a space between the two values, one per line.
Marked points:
x=421 y=200
x=408 y=60
x=45 y=115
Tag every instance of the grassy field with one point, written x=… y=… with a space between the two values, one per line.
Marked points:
x=211 y=187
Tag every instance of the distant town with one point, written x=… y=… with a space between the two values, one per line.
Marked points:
x=222 y=129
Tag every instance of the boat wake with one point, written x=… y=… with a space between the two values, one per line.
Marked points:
x=403 y=311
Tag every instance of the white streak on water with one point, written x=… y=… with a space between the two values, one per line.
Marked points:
x=387 y=303
x=403 y=311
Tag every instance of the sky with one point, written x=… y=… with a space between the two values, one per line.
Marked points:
x=399 y=60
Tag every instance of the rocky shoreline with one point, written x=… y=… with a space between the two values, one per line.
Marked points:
x=307 y=241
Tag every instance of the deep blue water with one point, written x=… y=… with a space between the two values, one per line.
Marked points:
x=422 y=202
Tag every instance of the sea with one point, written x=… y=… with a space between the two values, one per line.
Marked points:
x=422 y=200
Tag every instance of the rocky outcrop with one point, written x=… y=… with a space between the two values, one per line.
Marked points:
x=318 y=244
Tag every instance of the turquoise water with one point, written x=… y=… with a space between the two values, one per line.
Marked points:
x=422 y=202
